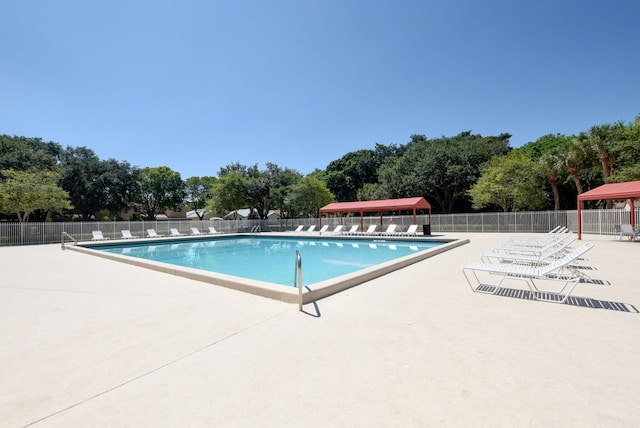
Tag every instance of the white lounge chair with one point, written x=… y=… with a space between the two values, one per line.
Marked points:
x=213 y=230
x=538 y=240
x=391 y=230
x=627 y=230
x=126 y=234
x=151 y=233
x=195 y=231
x=324 y=228
x=507 y=245
x=548 y=255
x=536 y=249
x=539 y=237
x=299 y=228
x=558 y=271
x=616 y=230
x=411 y=230
x=311 y=228
x=371 y=230
x=338 y=229
x=175 y=232
x=96 y=235
x=352 y=231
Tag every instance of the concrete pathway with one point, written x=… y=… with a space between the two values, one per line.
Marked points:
x=90 y=342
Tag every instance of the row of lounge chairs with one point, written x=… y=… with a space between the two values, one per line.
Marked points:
x=371 y=231
x=338 y=230
x=548 y=259
x=151 y=233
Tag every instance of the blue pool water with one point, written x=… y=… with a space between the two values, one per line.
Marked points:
x=272 y=259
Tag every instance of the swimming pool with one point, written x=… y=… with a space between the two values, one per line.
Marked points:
x=265 y=264
x=271 y=259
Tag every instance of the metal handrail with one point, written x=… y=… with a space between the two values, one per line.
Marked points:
x=65 y=234
x=297 y=278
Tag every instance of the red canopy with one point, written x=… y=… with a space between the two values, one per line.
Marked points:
x=380 y=206
x=627 y=190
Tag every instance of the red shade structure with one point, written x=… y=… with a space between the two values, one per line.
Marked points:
x=378 y=206
x=628 y=190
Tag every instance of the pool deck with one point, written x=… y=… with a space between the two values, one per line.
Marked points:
x=85 y=341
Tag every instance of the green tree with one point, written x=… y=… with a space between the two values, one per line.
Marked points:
x=119 y=185
x=80 y=175
x=626 y=150
x=370 y=192
x=441 y=169
x=228 y=193
x=548 y=150
x=257 y=192
x=280 y=181
x=341 y=184
x=552 y=166
x=263 y=190
x=22 y=153
x=95 y=185
x=198 y=192
x=233 y=167
x=601 y=140
x=575 y=159
x=345 y=176
x=23 y=192
x=628 y=173
x=511 y=182
x=309 y=195
x=161 y=188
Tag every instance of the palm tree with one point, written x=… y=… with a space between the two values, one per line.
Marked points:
x=573 y=160
x=552 y=165
x=601 y=139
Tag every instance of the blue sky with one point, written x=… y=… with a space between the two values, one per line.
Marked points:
x=198 y=84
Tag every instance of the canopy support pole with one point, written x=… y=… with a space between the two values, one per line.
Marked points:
x=579 y=221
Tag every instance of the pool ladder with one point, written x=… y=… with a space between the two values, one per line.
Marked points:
x=297 y=278
x=66 y=235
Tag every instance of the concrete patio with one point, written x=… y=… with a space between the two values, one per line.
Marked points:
x=85 y=341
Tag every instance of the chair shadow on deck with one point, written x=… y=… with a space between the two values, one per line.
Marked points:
x=584 y=302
